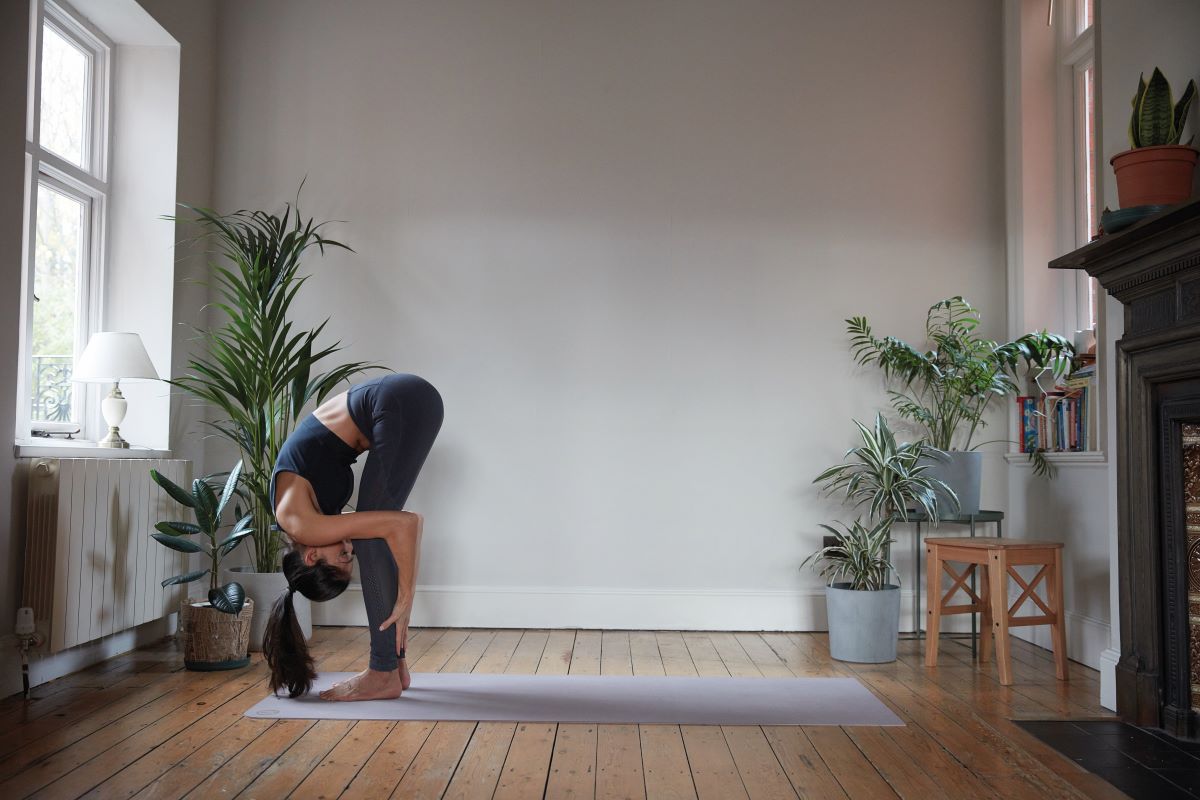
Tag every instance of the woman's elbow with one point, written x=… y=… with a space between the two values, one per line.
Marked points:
x=409 y=524
x=294 y=525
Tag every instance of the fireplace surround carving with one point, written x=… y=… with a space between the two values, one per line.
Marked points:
x=1153 y=268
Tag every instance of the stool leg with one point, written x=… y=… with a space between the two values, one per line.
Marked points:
x=1058 y=628
x=998 y=586
x=933 y=602
x=985 y=616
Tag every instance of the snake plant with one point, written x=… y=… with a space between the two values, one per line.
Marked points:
x=1158 y=120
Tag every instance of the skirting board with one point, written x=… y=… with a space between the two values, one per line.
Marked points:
x=610 y=609
x=1108 y=678
x=1087 y=638
x=45 y=668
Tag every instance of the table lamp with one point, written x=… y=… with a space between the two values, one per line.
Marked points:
x=111 y=356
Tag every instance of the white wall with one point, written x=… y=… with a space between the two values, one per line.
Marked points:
x=14 y=59
x=140 y=280
x=193 y=25
x=1070 y=508
x=622 y=238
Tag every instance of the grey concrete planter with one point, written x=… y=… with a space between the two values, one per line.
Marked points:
x=264 y=587
x=863 y=625
x=962 y=471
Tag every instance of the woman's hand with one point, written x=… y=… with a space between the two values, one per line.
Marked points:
x=399 y=615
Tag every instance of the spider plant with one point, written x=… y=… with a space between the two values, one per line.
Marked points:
x=860 y=557
x=947 y=388
x=886 y=476
x=257 y=369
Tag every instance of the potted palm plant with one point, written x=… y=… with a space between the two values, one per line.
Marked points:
x=1156 y=169
x=257 y=370
x=947 y=388
x=888 y=478
x=216 y=631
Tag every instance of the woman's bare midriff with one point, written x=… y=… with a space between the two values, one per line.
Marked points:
x=334 y=414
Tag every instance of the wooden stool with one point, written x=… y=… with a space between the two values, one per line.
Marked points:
x=995 y=559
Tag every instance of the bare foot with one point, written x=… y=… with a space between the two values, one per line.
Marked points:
x=405 y=675
x=366 y=685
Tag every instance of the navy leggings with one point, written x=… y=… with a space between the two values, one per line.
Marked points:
x=401 y=415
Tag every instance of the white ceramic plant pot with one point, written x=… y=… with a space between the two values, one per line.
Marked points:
x=863 y=625
x=264 y=587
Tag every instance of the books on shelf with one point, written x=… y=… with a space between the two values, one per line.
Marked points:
x=1061 y=420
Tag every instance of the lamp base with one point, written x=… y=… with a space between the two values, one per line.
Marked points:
x=113 y=439
x=113 y=408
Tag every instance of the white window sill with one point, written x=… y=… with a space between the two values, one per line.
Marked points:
x=1085 y=458
x=78 y=448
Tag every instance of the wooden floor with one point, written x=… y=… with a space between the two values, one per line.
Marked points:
x=140 y=726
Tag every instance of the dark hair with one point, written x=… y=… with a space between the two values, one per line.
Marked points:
x=283 y=642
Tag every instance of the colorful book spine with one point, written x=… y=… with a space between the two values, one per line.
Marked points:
x=1028 y=415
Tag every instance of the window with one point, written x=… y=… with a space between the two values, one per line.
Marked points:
x=1078 y=48
x=67 y=191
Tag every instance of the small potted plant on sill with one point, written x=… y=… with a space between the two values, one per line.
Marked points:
x=216 y=631
x=947 y=388
x=888 y=478
x=1156 y=170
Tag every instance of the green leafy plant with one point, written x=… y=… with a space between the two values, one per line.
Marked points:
x=886 y=476
x=946 y=388
x=208 y=509
x=861 y=556
x=1157 y=119
x=257 y=370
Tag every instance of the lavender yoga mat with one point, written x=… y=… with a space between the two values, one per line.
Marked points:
x=601 y=698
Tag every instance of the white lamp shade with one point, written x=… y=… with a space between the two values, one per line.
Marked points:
x=111 y=356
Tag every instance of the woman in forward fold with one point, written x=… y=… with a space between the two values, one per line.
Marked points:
x=396 y=418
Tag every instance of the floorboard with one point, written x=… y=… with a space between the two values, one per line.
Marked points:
x=140 y=726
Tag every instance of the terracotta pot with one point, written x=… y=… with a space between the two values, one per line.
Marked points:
x=1154 y=175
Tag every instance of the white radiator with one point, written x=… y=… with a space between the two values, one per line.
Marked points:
x=91 y=568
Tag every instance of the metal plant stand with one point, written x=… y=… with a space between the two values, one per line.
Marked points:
x=970 y=520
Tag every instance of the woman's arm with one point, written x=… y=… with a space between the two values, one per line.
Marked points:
x=298 y=514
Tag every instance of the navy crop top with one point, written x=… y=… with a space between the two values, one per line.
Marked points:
x=317 y=454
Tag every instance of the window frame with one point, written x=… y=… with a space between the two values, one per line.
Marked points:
x=1077 y=53
x=88 y=184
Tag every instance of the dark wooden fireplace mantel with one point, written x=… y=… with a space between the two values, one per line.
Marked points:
x=1153 y=268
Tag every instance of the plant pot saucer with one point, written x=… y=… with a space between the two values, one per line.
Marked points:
x=1113 y=221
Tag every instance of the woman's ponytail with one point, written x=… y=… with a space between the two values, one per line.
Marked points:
x=283 y=643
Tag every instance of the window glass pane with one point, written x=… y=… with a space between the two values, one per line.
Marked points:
x=65 y=77
x=1084 y=14
x=61 y=228
x=1090 y=191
